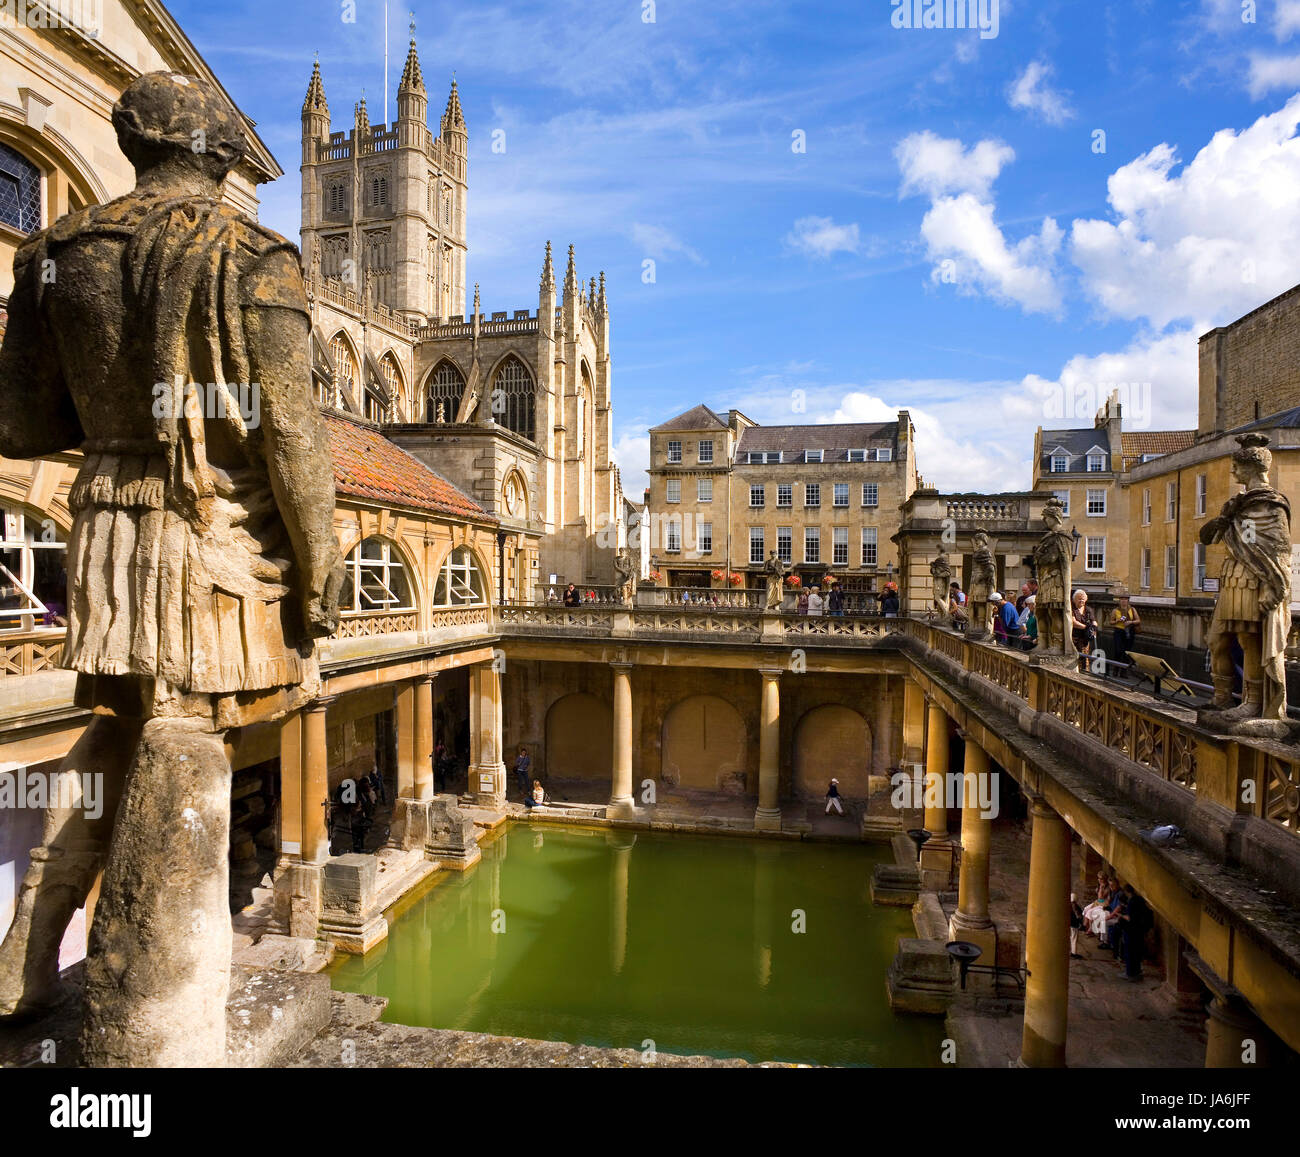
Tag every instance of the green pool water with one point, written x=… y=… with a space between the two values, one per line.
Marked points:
x=614 y=939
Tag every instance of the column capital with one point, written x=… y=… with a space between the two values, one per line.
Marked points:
x=771 y=672
x=320 y=703
x=621 y=665
x=1039 y=808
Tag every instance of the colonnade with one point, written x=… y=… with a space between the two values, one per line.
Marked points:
x=1232 y=1028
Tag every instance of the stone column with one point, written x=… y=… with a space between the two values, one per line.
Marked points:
x=422 y=752
x=621 y=802
x=487 y=771
x=291 y=730
x=1234 y=1037
x=913 y=721
x=971 y=920
x=315 y=782
x=620 y=845
x=767 y=817
x=936 y=772
x=1047 y=941
x=406 y=740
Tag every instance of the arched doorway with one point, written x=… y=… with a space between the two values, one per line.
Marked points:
x=579 y=738
x=832 y=741
x=705 y=745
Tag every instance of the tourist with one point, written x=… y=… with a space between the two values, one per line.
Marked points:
x=359 y=825
x=889 y=604
x=1134 y=922
x=377 y=782
x=1006 y=628
x=571 y=596
x=1114 y=905
x=837 y=601
x=1029 y=623
x=1083 y=627
x=1076 y=922
x=522 y=765
x=1124 y=622
x=539 y=794
x=1094 y=915
x=956 y=604
x=366 y=796
x=816 y=605
x=801 y=606
x=833 y=798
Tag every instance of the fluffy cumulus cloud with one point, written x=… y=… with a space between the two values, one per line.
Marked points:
x=1032 y=92
x=1210 y=241
x=820 y=237
x=631 y=451
x=961 y=235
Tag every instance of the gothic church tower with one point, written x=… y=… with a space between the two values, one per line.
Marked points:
x=384 y=207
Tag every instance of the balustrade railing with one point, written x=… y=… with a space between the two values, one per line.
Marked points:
x=31 y=652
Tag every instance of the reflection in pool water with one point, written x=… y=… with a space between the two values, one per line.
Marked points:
x=762 y=949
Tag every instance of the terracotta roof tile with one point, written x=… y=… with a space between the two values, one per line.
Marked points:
x=1138 y=442
x=368 y=465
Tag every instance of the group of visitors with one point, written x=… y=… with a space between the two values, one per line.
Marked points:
x=356 y=802
x=1015 y=624
x=1119 y=918
x=532 y=794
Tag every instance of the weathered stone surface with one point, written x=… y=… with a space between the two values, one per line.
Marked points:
x=921 y=978
x=271 y=1016
x=895 y=885
x=451 y=837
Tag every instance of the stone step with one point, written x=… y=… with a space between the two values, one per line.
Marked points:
x=271 y=1015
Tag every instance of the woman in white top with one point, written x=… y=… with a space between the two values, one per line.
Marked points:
x=816 y=605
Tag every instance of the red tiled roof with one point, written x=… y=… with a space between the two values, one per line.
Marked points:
x=1133 y=444
x=368 y=465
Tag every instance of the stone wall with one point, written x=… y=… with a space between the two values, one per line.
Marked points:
x=1251 y=368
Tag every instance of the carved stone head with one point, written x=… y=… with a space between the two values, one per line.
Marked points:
x=166 y=117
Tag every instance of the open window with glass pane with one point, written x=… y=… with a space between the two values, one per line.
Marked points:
x=376 y=580
x=33 y=572
x=460 y=582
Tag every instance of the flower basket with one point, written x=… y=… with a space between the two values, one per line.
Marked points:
x=735 y=579
x=793 y=581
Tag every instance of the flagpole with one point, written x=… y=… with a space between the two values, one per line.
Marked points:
x=385 y=63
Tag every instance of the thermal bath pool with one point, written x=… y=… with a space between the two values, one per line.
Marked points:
x=761 y=949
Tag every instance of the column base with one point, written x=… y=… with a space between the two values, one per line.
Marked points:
x=767 y=819
x=621 y=808
x=350 y=916
x=297 y=900
x=936 y=865
x=980 y=933
x=410 y=823
x=487 y=784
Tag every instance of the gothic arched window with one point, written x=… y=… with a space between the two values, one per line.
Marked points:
x=446 y=386
x=513 y=397
x=345 y=368
x=20 y=191
x=378 y=191
x=336 y=197
x=396 y=388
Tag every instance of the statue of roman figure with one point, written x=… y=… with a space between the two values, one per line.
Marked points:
x=1053 y=563
x=624 y=569
x=941 y=573
x=1254 y=601
x=776 y=570
x=983 y=576
x=202 y=563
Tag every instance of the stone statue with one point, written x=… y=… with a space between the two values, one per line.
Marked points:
x=776 y=569
x=941 y=573
x=983 y=576
x=1053 y=563
x=624 y=568
x=316 y=261
x=201 y=562
x=1254 y=603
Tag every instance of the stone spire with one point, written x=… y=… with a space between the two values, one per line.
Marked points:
x=591 y=291
x=315 y=99
x=477 y=306
x=362 y=124
x=602 y=304
x=571 y=277
x=548 y=270
x=412 y=80
x=453 y=116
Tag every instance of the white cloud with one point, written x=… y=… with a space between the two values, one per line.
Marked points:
x=631 y=451
x=821 y=237
x=1271 y=72
x=657 y=242
x=937 y=166
x=1286 y=19
x=1032 y=92
x=1209 y=242
x=961 y=236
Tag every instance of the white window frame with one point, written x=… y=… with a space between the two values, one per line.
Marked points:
x=705 y=538
x=871 y=494
x=704 y=490
x=870 y=546
x=458 y=575
x=1064 y=496
x=1198 y=566
x=785 y=543
x=1091 y=498
x=812 y=537
x=1146 y=568
x=757 y=491
x=785 y=494
x=1088 y=553
x=812 y=456
x=857 y=456
x=673 y=536
x=836 y=489
x=811 y=489
x=839 y=546
x=1096 y=462
x=1202 y=496
x=370 y=579
x=674 y=450
x=1064 y=463
x=673 y=490
x=705 y=451
x=1146 y=506
x=1171 y=501
x=885 y=454
x=757 y=545
x=1171 y=567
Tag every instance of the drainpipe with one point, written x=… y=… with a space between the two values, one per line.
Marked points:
x=501 y=568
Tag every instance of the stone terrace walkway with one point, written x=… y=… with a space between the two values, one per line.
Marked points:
x=1113 y=1022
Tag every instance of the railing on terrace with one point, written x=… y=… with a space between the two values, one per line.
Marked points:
x=29 y=652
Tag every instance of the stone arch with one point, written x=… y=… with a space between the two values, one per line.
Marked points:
x=832 y=740
x=580 y=737
x=486 y=578
x=515 y=481
x=395 y=383
x=373 y=560
x=705 y=745
x=346 y=363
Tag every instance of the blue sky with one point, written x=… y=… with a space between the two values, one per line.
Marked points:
x=956 y=238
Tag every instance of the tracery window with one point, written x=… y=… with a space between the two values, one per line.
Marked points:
x=396 y=390
x=446 y=386
x=345 y=368
x=460 y=582
x=513 y=398
x=375 y=580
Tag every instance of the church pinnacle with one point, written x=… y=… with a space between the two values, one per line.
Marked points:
x=411 y=76
x=548 y=270
x=453 y=115
x=362 y=116
x=315 y=99
x=571 y=277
